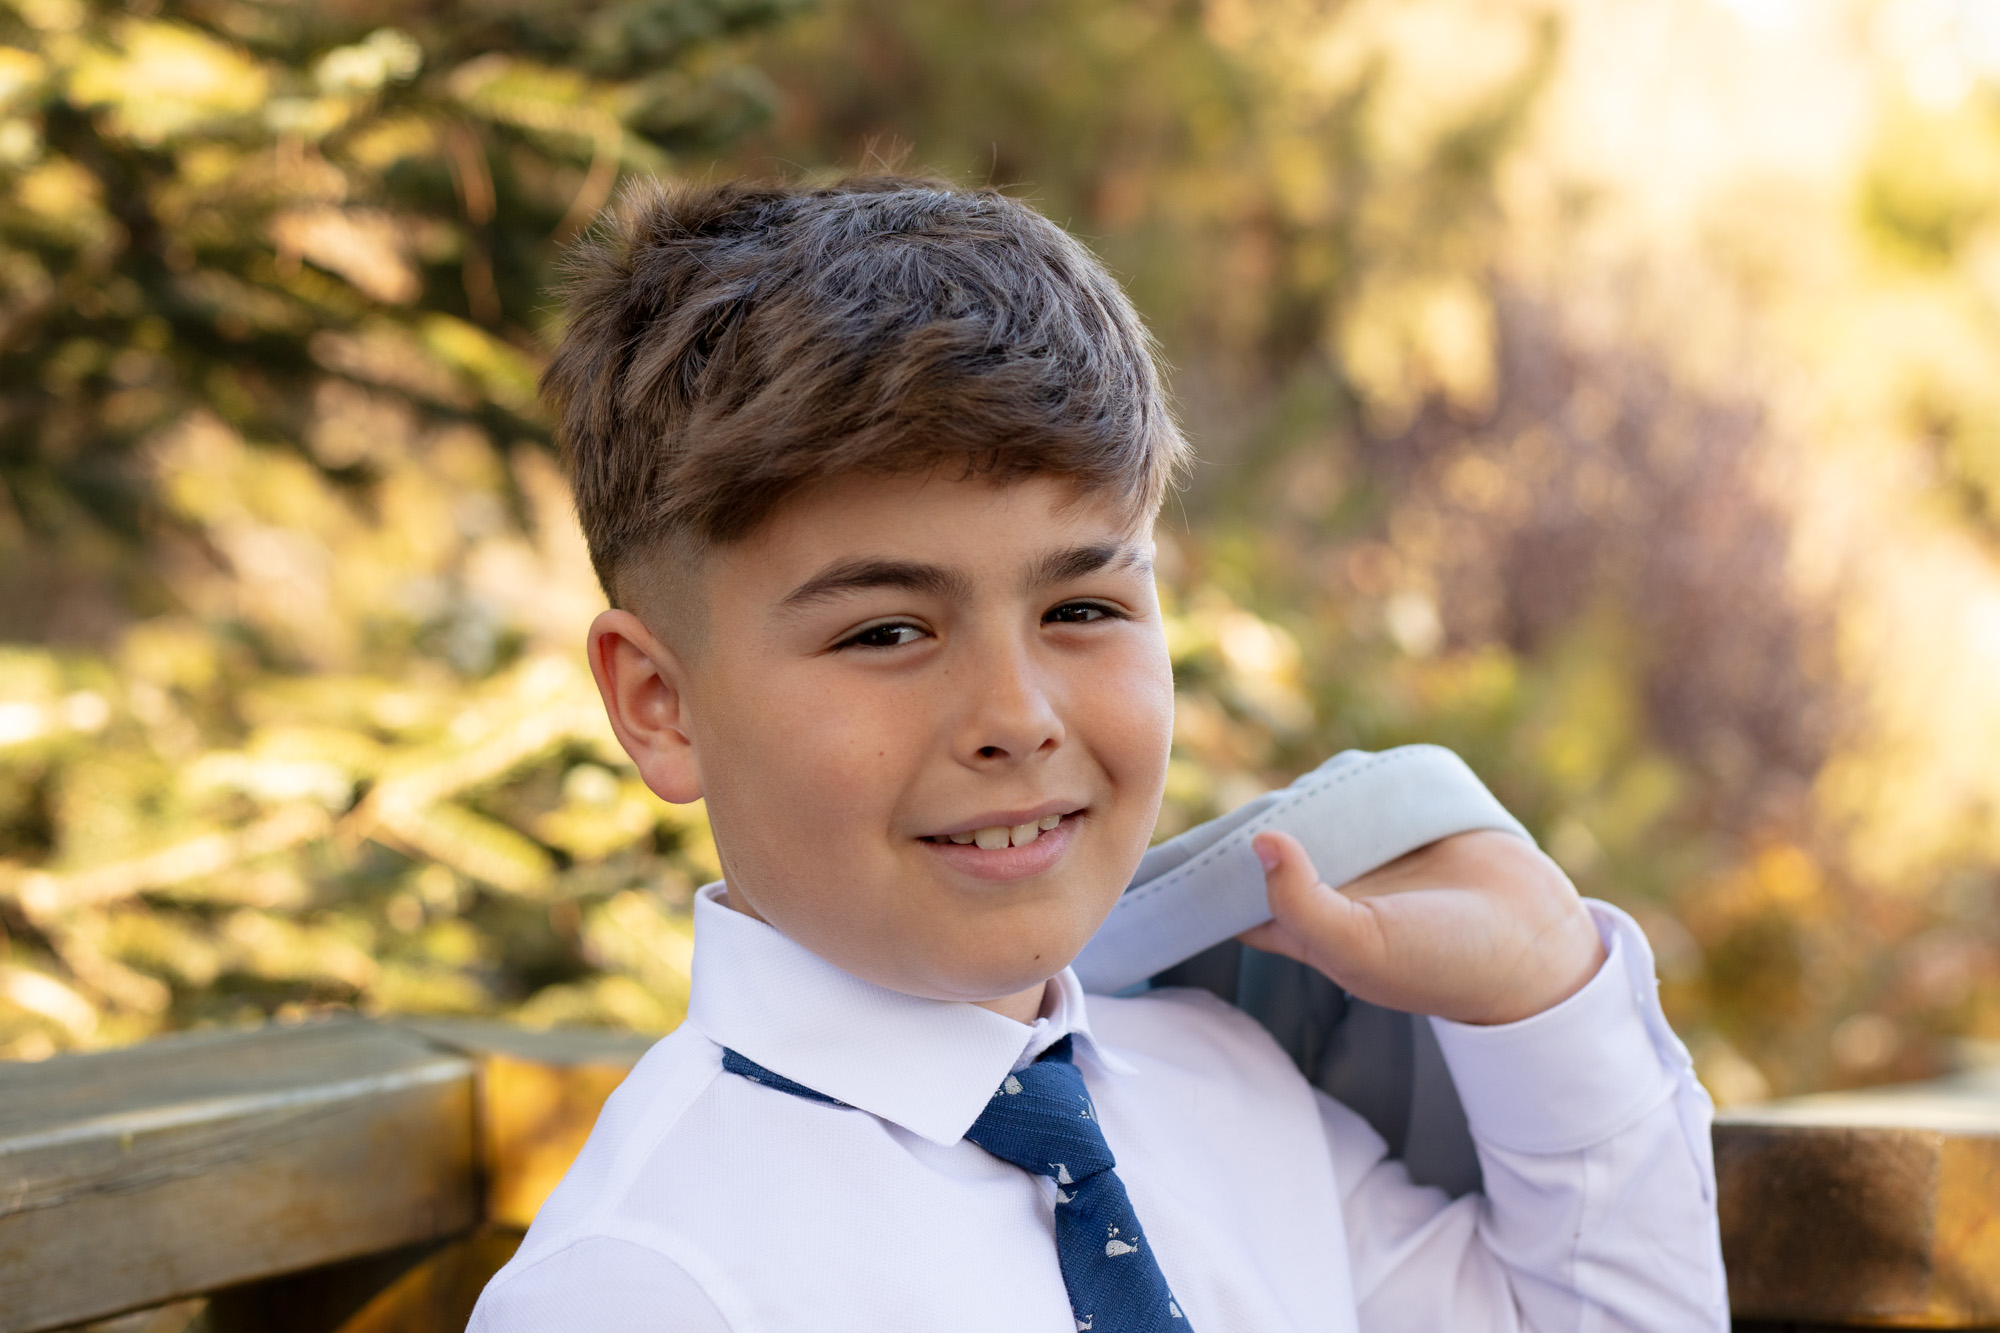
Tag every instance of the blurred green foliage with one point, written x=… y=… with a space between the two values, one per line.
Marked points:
x=294 y=714
x=1637 y=440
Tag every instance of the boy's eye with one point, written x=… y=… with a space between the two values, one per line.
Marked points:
x=894 y=634
x=1077 y=613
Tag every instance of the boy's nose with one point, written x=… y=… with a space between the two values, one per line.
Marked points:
x=1012 y=716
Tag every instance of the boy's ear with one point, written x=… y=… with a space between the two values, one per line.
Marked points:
x=641 y=681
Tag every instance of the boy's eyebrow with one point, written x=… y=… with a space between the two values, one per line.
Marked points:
x=1077 y=561
x=856 y=575
x=937 y=581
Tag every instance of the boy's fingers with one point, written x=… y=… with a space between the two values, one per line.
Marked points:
x=1330 y=926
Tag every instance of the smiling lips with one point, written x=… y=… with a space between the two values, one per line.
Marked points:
x=1006 y=852
x=1025 y=829
x=1000 y=835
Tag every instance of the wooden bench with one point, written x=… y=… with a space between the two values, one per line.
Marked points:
x=368 y=1177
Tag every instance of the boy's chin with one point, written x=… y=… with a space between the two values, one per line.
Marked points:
x=987 y=978
x=943 y=952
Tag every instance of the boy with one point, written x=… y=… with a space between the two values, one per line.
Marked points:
x=868 y=473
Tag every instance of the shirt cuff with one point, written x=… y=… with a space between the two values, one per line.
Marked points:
x=1574 y=1074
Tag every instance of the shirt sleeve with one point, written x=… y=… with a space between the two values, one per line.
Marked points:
x=1599 y=1202
x=597 y=1285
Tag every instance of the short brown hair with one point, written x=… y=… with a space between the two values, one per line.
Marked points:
x=730 y=343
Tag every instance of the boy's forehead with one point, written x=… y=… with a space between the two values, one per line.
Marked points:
x=1042 y=529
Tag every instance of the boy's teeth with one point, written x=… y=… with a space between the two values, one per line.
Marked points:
x=999 y=835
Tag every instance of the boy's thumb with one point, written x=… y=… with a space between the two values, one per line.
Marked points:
x=1287 y=866
x=1322 y=918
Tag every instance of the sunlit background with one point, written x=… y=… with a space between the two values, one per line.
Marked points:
x=1605 y=388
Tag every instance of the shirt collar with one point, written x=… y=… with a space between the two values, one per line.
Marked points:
x=927 y=1065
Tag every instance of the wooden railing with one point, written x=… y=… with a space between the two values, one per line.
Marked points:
x=368 y=1177
x=1865 y=1209
x=342 y=1175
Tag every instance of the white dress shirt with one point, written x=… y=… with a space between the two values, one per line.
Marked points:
x=704 y=1201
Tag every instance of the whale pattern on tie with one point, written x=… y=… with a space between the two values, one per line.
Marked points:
x=1042 y=1120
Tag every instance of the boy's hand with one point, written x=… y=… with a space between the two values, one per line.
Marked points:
x=1480 y=928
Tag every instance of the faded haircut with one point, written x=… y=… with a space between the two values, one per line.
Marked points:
x=730 y=344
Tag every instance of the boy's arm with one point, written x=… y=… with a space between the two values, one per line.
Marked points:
x=1599 y=1200
x=1592 y=1133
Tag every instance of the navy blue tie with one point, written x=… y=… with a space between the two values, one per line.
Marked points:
x=1041 y=1120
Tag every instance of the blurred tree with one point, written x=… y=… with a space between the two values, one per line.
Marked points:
x=273 y=289
x=248 y=207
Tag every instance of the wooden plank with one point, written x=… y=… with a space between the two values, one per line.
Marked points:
x=1878 y=1208
x=134 y=1177
x=421 y=1289
x=539 y=1095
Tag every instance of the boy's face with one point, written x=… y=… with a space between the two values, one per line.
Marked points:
x=890 y=667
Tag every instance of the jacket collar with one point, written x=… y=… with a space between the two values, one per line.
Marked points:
x=929 y=1066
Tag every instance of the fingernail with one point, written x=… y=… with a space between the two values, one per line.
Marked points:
x=1267 y=853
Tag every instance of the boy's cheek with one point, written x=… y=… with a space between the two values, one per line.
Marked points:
x=1130 y=711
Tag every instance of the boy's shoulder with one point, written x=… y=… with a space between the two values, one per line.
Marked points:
x=619 y=1235
x=641 y=1118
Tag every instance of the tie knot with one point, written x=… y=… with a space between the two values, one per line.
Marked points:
x=1041 y=1119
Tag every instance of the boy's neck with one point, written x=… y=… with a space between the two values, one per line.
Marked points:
x=1024 y=1007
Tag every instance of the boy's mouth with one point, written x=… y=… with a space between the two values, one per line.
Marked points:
x=1007 y=851
x=996 y=836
